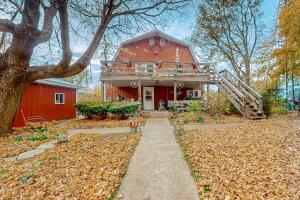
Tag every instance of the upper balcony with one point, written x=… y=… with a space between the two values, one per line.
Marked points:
x=137 y=70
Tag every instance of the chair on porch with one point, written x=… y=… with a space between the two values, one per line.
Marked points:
x=161 y=105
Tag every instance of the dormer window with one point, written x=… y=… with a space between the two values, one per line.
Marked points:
x=162 y=42
x=151 y=41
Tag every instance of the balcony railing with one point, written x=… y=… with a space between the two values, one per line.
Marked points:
x=162 y=69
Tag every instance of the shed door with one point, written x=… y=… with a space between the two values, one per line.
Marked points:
x=148 y=97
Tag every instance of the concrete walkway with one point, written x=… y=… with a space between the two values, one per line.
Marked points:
x=157 y=169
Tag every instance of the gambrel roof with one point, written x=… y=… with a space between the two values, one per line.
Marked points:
x=154 y=33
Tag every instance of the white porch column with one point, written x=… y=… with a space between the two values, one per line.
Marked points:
x=175 y=91
x=104 y=91
x=102 y=87
x=140 y=93
x=207 y=92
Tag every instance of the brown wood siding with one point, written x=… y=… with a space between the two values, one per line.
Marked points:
x=39 y=100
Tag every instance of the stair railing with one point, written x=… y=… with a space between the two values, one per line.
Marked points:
x=257 y=98
x=230 y=85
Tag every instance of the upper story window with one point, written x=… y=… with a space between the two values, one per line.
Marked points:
x=151 y=41
x=162 y=42
x=59 y=98
x=150 y=68
x=139 y=68
x=144 y=68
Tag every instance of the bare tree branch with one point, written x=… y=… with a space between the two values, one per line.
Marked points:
x=8 y=26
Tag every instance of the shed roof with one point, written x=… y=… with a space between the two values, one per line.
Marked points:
x=57 y=82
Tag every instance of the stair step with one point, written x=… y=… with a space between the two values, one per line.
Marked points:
x=257 y=117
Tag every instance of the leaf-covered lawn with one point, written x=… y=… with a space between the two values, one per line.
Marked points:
x=107 y=123
x=27 y=138
x=86 y=167
x=253 y=160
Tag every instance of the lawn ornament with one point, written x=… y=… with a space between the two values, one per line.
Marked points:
x=134 y=126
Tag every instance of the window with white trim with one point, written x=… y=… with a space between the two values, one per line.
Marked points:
x=162 y=42
x=151 y=41
x=59 y=98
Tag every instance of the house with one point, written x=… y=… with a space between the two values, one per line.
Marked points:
x=161 y=72
x=86 y=93
x=46 y=100
x=156 y=69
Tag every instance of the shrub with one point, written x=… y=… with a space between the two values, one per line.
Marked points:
x=123 y=109
x=38 y=137
x=218 y=104
x=267 y=101
x=279 y=110
x=200 y=119
x=216 y=118
x=93 y=109
x=194 y=106
x=272 y=104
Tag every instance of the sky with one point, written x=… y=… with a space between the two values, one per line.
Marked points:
x=182 y=28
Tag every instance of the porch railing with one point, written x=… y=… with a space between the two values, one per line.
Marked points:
x=119 y=68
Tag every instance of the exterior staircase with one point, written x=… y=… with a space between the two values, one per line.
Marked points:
x=242 y=96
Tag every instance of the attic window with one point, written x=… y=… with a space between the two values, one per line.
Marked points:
x=151 y=41
x=162 y=42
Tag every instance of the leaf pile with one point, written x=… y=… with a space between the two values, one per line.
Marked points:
x=193 y=118
x=107 y=123
x=253 y=160
x=27 y=138
x=87 y=167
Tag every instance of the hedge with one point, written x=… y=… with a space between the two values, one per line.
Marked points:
x=123 y=109
x=99 y=109
x=93 y=109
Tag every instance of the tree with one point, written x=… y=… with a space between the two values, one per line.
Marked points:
x=29 y=30
x=80 y=79
x=288 y=54
x=230 y=31
x=265 y=63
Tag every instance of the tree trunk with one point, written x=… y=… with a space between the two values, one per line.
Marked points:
x=287 y=86
x=12 y=84
x=293 y=92
x=248 y=72
x=10 y=93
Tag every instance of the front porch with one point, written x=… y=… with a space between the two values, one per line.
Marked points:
x=154 y=95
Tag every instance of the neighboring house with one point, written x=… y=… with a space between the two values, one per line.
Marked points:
x=84 y=94
x=155 y=69
x=46 y=100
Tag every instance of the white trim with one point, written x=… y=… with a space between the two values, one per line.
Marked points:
x=63 y=95
x=144 y=98
x=57 y=82
x=152 y=34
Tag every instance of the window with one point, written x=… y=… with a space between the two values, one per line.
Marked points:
x=59 y=98
x=139 y=68
x=148 y=95
x=150 y=68
x=151 y=41
x=193 y=94
x=143 y=68
x=162 y=42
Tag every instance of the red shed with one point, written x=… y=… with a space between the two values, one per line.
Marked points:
x=46 y=100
